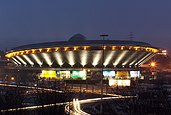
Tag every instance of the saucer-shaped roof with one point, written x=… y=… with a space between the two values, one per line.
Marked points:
x=77 y=37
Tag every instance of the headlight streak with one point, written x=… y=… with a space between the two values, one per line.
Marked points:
x=21 y=60
x=76 y=109
x=96 y=58
x=28 y=60
x=16 y=61
x=58 y=58
x=37 y=59
x=120 y=57
x=108 y=59
x=67 y=107
x=47 y=59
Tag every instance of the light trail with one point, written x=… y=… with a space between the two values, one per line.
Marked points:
x=33 y=107
x=29 y=87
x=76 y=109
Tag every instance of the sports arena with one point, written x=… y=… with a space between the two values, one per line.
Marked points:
x=79 y=57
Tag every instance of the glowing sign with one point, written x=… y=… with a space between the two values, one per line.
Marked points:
x=134 y=73
x=114 y=82
x=109 y=74
x=64 y=74
x=122 y=74
x=48 y=74
x=79 y=74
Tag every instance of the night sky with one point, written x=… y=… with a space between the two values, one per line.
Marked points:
x=34 y=21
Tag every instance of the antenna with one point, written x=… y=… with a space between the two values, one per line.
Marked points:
x=131 y=36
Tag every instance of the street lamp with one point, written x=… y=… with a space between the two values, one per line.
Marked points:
x=101 y=107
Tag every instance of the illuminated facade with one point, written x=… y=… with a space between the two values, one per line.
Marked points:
x=78 y=53
x=81 y=53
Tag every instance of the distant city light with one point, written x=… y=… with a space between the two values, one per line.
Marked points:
x=12 y=78
x=153 y=64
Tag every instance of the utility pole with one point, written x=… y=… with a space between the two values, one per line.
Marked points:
x=131 y=36
x=101 y=106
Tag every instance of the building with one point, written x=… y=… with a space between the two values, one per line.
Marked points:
x=117 y=58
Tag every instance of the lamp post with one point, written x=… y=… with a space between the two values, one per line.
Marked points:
x=101 y=107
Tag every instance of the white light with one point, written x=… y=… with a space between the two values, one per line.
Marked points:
x=139 y=57
x=21 y=60
x=135 y=74
x=70 y=57
x=37 y=59
x=47 y=59
x=129 y=58
x=147 y=59
x=108 y=59
x=83 y=57
x=96 y=58
x=28 y=59
x=58 y=58
x=114 y=82
x=120 y=57
x=144 y=58
x=16 y=61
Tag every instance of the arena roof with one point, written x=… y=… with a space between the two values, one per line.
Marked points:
x=80 y=40
x=79 y=52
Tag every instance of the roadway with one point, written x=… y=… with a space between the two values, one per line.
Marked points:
x=73 y=107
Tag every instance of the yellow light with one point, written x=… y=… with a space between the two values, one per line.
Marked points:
x=104 y=47
x=33 y=50
x=40 y=50
x=136 y=48
x=122 y=47
x=85 y=47
x=56 y=49
x=65 y=48
x=12 y=78
x=151 y=50
x=113 y=47
x=153 y=64
x=48 y=49
x=75 y=48
x=48 y=74
x=9 y=55
x=21 y=52
x=17 y=53
x=27 y=51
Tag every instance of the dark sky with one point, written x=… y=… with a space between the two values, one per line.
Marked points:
x=34 y=21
